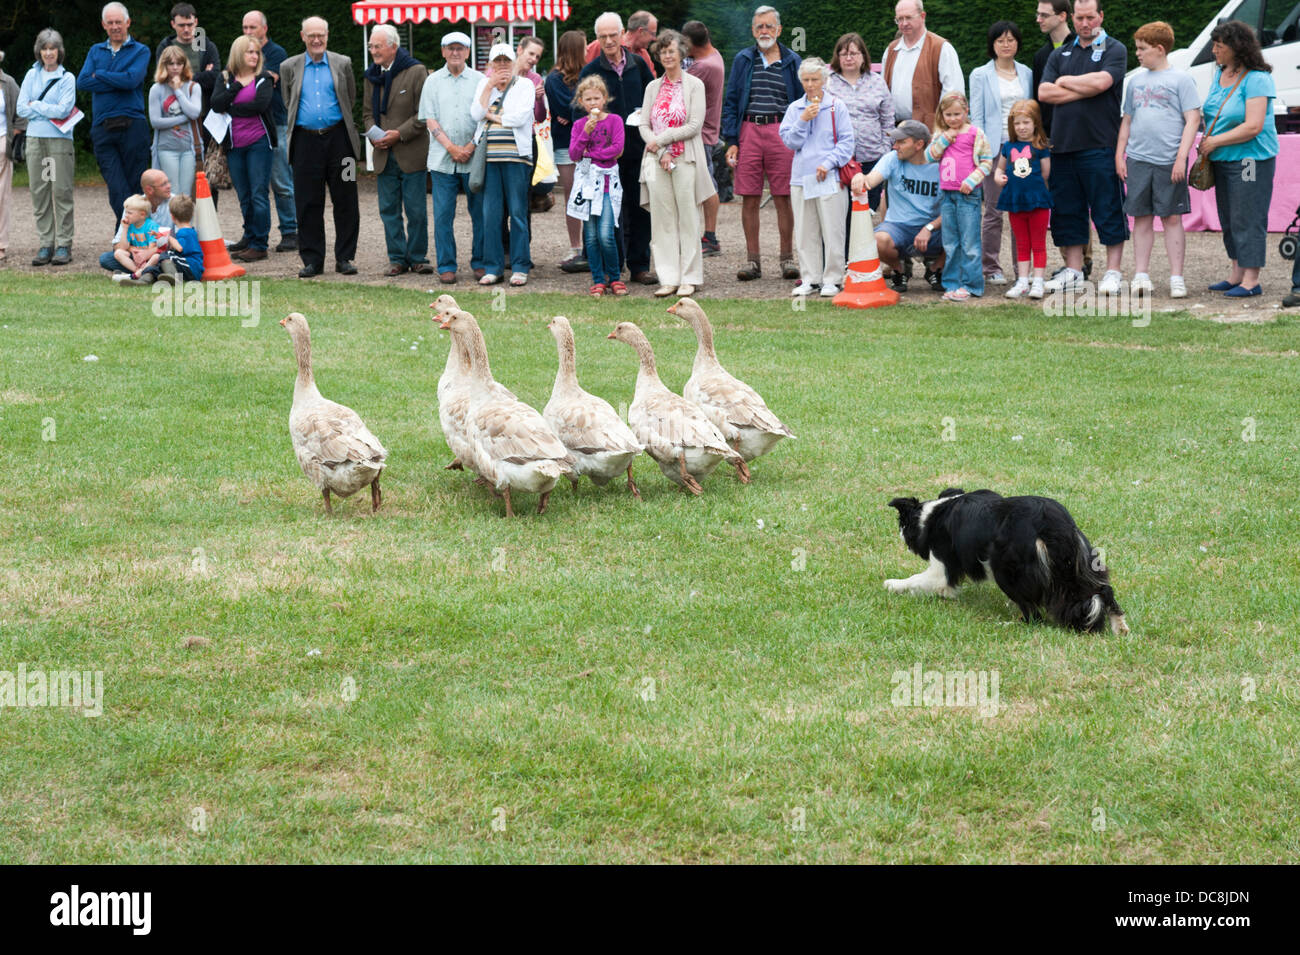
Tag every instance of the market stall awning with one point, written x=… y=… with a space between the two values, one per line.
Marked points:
x=513 y=11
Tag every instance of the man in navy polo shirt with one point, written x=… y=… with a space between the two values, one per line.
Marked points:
x=1084 y=82
x=114 y=74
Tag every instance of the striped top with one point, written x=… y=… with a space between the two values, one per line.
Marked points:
x=501 y=145
x=767 y=92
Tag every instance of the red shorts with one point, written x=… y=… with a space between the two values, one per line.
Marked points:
x=762 y=154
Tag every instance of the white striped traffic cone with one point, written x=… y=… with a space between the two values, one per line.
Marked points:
x=216 y=260
x=864 y=284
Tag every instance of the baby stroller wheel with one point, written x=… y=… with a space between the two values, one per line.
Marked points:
x=1287 y=247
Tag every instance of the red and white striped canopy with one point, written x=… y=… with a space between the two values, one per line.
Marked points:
x=514 y=11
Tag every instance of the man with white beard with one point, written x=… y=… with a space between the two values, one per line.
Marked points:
x=764 y=81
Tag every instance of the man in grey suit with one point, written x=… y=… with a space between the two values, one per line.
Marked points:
x=319 y=90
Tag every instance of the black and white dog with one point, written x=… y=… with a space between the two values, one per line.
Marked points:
x=1029 y=545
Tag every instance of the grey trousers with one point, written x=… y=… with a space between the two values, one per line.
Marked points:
x=1243 y=189
x=51 y=167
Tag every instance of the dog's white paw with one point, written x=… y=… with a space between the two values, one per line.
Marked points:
x=895 y=586
x=949 y=593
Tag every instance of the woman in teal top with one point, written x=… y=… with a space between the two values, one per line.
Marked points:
x=1243 y=149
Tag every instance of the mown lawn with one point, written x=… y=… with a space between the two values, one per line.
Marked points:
x=684 y=680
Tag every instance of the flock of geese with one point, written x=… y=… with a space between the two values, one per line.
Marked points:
x=513 y=448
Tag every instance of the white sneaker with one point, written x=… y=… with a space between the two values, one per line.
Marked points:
x=1177 y=287
x=997 y=278
x=1036 y=289
x=1019 y=289
x=120 y=276
x=1111 y=282
x=829 y=291
x=803 y=288
x=1067 y=279
x=1141 y=283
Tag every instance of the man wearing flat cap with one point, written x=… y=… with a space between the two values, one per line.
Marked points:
x=444 y=109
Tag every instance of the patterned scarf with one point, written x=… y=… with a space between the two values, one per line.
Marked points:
x=669 y=111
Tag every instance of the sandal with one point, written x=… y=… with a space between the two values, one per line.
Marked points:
x=489 y=279
x=596 y=291
x=618 y=288
x=519 y=278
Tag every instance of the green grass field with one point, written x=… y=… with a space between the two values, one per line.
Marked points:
x=685 y=680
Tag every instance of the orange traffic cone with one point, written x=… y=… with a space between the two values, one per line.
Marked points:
x=216 y=260
x=864 y=285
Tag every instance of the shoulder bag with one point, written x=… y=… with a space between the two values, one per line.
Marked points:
x=850 y=168
x=1202 y=174
x=478 y=162
x=18 y=140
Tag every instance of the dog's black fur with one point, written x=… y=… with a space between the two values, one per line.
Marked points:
x=1031 y=545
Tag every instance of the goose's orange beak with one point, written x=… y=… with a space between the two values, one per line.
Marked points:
x=611 y=335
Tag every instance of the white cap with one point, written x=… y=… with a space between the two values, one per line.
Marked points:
x=501 y=49
x=456 y=37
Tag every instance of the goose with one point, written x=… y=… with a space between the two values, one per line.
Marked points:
x=454 y=387
x=675 y=431
x=509 y=444
x=737 y=410
x=601 y=444
x=335 y=449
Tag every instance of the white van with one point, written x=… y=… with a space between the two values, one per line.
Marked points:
x=1277 y=24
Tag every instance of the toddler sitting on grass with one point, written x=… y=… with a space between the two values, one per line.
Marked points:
x=137 y=249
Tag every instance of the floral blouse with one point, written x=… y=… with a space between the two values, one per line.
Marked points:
x=872 y=108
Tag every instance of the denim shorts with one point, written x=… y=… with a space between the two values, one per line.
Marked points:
x=1085 y=182
x=904 y=237
x=562 y=157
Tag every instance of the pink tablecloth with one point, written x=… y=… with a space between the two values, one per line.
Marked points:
x=1204 y=216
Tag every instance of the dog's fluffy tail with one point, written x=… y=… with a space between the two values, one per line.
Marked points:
x=1081 y=597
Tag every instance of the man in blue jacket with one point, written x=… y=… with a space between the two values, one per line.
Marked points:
x=764 y=80
x=626 y=76
x=114 y=73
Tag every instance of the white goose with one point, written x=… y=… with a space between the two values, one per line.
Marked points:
x=737 y=410
x=675 y=431
x=454 y=388
x=509 y=443
x=335 y=449
x=601 y=444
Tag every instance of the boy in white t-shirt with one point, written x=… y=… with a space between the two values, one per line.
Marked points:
x=1162 y=112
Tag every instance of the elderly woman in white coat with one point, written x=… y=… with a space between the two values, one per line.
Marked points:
x=818 y=128
x=674 y=172
x=994 y=88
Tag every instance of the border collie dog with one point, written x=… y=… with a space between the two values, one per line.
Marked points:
x=1029 y=545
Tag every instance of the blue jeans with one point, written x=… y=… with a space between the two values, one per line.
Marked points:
x=107 y=261
x=962 y=247
x=282 y=184
x=400 y=191
x=178 y=165
x=250 y=171
x=602 y=246
x=123 y=156
x=445 y=187
x=506 y=188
